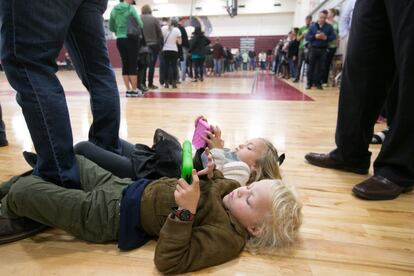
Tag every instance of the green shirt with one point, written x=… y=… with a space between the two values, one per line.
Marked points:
x=302 y=30
x=118 y=22
x=335 y=27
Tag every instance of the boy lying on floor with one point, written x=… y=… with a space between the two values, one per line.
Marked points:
x=199 y=225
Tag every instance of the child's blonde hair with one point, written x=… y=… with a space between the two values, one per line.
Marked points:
x=267 y=167
x=280 y=228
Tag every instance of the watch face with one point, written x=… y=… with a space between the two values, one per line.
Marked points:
x=185 y=215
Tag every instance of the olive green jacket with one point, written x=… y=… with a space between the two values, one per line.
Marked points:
x=212 y=238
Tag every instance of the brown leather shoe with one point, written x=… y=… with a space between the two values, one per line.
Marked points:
x=326 y=161
x=379 y=188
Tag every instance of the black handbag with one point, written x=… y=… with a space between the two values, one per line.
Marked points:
x=133 y=29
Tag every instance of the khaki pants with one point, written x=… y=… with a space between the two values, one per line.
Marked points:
x=90 y=214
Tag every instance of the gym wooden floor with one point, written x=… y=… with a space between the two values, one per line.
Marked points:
x=341 y=235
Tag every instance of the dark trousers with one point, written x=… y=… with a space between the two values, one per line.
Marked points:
x=376 y=27
x=317 y=60
x=198 y=68
x=118 y=164
x=170 y=66
x=301 y=59
x=155 y=50
x=32 y=34
x=128 y=50
x=2 y=128
x=329 y=57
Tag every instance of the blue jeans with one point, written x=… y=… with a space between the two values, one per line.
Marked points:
x=183 y=64
x=217 y=66
x=32 y=34
x=292 y=67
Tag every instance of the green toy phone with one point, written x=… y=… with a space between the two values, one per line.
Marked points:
x=187 y=163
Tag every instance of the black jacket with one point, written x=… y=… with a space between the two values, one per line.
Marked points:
x=198 y=44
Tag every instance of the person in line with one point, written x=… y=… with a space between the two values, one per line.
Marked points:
x=127 y=45
x=172 y=37
x=198 y=47
x=153 y=38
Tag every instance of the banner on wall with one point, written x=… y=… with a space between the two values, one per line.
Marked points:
x=247 y=44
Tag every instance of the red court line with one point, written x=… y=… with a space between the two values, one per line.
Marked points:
x=265 y=87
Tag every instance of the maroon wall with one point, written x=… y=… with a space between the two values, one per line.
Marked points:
x=263 y=43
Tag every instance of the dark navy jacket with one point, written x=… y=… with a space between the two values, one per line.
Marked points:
x=327 y=29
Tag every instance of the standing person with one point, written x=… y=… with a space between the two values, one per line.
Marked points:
x=301 y=38
x=292 y=54
x=127 y=45
x=245 y=60
x=185 y=45
x=32 y=35
x=345 y=20
x=218 y=54
x=318 y=35
x=153 y=37
x=332 y=46
x=197 y=49
x=3 y=138
x=262 y=60
x=164 y=22
x=172 y=37
x=252 y=59
x=377 y=26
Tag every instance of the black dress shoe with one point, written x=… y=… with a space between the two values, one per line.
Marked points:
x=319 y=87
x=143 y=88
x=326 y=161
x=152 y=87
x=308 y=86
x=379 y=188
x=17 y=229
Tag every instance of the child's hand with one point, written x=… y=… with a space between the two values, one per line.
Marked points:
x=214 y=139
x=187 y=196
x=209 y=170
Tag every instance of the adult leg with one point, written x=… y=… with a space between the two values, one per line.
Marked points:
x=301 y=58
x=3 y=139
x=87 y=46
x=32 y=34
x=313 y=59
x=320 y=67
x=121 y=44
x=396 y=158
x=155 y=49
x=328 y=61
x=184 y=64
x=365 y=82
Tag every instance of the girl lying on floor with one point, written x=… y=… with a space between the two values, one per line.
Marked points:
x=199 y=225
x=251 y=161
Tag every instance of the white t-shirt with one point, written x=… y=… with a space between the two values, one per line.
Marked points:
x=170 y=38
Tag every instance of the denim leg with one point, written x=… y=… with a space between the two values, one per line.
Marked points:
x=87 y=46
x=2 y=128
x=184 y=64
x=32 y=34
x=155 y=49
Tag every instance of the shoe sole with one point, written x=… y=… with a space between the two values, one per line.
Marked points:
x=341 y=168
x=379 y=197
x=23 y=236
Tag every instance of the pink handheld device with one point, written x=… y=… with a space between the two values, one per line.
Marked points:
x=200 y=132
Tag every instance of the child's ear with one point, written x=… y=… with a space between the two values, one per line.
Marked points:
x=255 y=230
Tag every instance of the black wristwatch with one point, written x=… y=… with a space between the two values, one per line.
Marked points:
x=182 y=214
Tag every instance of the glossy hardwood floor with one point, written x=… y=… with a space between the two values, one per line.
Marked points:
x=341 y=235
